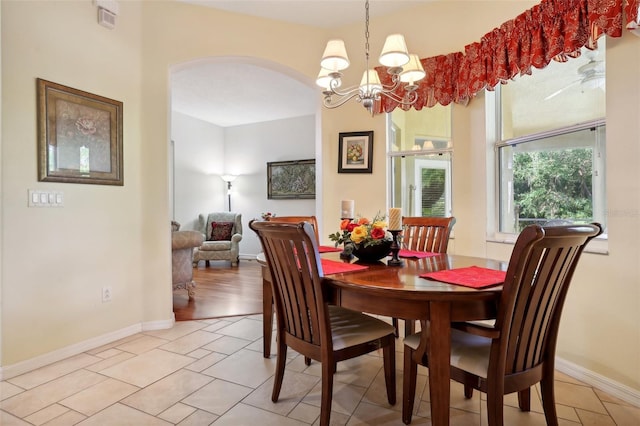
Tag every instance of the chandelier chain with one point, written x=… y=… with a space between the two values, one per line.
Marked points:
x=366 y=32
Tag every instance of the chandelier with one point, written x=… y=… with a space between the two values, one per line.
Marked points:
x=404 y=69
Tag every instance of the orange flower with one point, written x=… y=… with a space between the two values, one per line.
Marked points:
x=344 y=224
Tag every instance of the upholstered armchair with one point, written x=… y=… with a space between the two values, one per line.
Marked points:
x=222 y=235
x=182 y=247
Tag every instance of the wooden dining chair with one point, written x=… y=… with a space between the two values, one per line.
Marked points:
x=517 y=351
x=297 y=219
x=305 y=320
x=429 y=234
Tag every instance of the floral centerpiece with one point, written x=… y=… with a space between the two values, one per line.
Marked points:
x=267 y=215
x=366 y=239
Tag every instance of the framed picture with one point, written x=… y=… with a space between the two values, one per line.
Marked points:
x=79 y=136
x=355 y=152
x=291 y=179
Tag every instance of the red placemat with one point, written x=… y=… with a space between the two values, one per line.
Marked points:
x=473 y=276
x=332 y=267
x=416 y=254
x=328 y=249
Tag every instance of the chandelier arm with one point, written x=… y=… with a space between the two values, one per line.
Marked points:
x=349 y=91
x=408 y=100
x=328 y=101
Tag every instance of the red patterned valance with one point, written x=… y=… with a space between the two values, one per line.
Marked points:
x=551 y=30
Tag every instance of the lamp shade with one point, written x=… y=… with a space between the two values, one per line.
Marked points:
x=370 y=82
x=335 y=57
x=324 y=79
x=228 y=178
x=394 y=53
x=413 y=70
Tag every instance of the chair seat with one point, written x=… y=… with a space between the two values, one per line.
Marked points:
x=215 y=246
x=351 y=328
x=469 y=352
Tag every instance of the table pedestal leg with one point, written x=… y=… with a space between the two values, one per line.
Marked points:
x=439 y=353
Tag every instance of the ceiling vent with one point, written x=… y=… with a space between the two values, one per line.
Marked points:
x=107 y=12
x=106 y=18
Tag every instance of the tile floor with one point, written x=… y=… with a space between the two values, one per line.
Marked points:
x=213 y=372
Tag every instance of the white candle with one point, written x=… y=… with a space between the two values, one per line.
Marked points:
x=395 y=219
x=347 y=209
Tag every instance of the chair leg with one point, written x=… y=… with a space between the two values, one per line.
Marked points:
x=524 y=400
x=279 y=375
x=389 y=357
x=327 y=392
x=468 y=391
x=408 y=385
x=394 y=322
x=495 y=408
x=307 y=361
x=549 y=400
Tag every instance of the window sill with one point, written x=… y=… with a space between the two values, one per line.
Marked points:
x=600 y=245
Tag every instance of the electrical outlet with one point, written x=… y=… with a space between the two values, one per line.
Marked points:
x=106 y=294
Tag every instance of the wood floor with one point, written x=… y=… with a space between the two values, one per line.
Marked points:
x=221 y=291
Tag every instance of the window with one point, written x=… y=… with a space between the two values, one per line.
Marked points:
x=420 y=161
x=551 y=151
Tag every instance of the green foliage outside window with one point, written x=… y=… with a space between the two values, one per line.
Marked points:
x=553 y=184
x=433 y=192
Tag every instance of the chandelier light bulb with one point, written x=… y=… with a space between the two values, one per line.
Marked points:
x=326 y=80
x=412 y=71
x=370 y=82
x=394 y=53
x=335 y=56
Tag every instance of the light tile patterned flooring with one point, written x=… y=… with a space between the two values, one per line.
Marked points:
x=213 y=372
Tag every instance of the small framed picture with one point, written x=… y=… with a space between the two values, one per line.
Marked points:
x=79 y=136
x=355 y=152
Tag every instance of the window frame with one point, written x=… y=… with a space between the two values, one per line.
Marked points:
x=494 y=142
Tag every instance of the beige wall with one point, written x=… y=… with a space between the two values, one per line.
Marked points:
x=55 y=261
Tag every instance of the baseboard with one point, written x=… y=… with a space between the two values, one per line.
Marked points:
x=247 y=256
x=620 y=391
x=9 y=371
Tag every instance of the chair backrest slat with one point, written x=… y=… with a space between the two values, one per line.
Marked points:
x=292 y=256
x=427 y=233
x=297 y=219
x=540 y=270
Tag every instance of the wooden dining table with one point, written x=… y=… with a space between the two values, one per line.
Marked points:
x=400 y=292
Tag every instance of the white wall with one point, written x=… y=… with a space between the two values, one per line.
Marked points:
x=198 y=163
x=248 y=149
x=204 y=151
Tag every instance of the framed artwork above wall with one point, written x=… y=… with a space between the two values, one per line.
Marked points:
x=355 y=152
x=79 y=136
x=291 y=179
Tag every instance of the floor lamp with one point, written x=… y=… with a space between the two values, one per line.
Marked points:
x=229 y=179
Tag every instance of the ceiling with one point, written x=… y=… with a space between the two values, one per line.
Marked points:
x=242 y=92
x=316 y=13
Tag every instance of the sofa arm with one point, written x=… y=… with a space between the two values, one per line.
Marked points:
x=236 y=238
x=186 y=239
